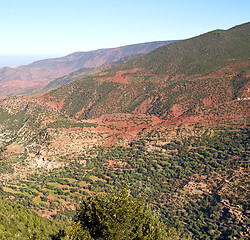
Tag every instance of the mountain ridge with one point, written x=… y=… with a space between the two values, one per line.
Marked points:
x=206 y=45
x=29 y=78
x=151 y=84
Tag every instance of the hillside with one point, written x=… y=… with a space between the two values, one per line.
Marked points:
x=170 y=81
x=83 y=72
x=200 y=55
x=31 y=78
x=178 y=134
x=19 y=223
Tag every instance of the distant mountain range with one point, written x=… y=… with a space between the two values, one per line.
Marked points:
x=30 y=78
x=13 y=61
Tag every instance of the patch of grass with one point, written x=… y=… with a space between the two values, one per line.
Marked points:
x=82 y=183
x=10 y=190
x=94 y=178
x=53 y=184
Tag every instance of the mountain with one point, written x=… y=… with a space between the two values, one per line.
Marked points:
x=172 y=124
x=30 y=78
x=170 y=81
x=83 y=72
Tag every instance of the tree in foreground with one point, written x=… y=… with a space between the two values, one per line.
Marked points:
x=117 y=216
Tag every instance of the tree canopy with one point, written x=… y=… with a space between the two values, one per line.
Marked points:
x=116 y=216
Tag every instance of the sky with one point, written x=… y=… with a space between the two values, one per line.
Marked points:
x=53 y=28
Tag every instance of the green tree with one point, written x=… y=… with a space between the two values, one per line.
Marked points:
x=116 y=216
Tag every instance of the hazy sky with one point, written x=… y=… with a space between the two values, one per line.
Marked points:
x=60 y=27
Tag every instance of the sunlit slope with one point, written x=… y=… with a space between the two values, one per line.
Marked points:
x=173 y=80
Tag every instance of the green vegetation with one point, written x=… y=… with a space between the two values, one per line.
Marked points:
x=199 y=55
x=117 y=216
x=198 y=184
x=5 y=166
x=19 y=223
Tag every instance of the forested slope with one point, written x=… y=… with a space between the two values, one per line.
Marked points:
x=17 y=222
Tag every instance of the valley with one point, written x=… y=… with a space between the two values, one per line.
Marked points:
x=173 y=124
